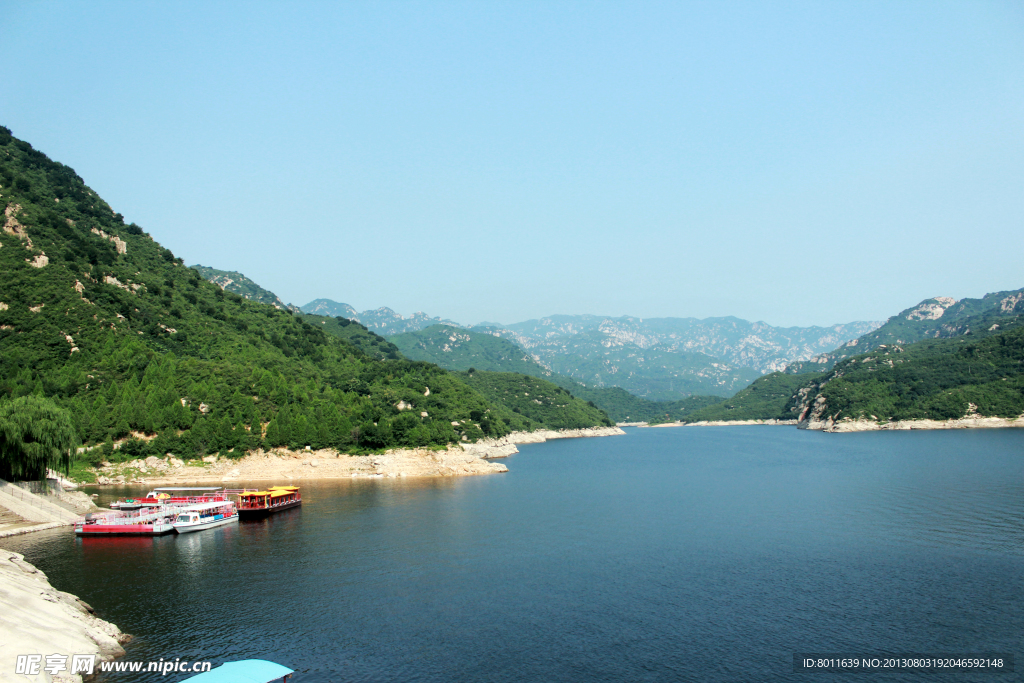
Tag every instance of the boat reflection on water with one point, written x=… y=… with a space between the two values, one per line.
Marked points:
x=287 y=517
x=107 y=542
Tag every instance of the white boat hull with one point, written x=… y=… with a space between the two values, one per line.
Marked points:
x=188 y=527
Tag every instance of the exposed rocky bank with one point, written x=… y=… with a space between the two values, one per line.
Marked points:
x=282 y=464
x=967 y=422
x=36 y=618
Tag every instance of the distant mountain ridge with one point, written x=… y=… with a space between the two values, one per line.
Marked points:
x=941 y=359
x=383 y=320
x=756 y=345
x=455 y=348
x=658 y=359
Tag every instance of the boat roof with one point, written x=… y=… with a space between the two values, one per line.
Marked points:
x=245 y=671
x=289 y=488
x=189 y=488
x=255 y=493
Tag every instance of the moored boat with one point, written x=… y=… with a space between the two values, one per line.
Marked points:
x=253 y=504
x=170 y=495
x=143 y=523
x=205 y=516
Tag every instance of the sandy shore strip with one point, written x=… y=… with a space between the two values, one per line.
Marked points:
x=967 y=422
x=285 y=465
x=848 y=425
x=38 y=619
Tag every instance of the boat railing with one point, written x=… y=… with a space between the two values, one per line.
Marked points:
x=195 y=499
x=149 y=514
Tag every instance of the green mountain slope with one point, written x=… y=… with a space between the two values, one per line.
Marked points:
x=234 y=281
x=354 y=333
x=936 y=379
x=932 y=379
x=623 y=406
x=540 y=401
x=98 y=316
x=771 y=397
x=938 y=318
x=368 y=342
x=455 y=348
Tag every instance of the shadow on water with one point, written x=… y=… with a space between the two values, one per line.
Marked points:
x=683 y=554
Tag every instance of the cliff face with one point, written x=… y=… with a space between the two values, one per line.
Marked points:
x=36 y=618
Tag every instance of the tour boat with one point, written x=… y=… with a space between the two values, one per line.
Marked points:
x=142 y=523
x=170 y=495
x=205 y=516
x=261 y=503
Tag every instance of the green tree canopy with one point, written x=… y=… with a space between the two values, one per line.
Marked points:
x=34 y=435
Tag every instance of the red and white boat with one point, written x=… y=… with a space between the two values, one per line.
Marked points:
x=139 y=523
x=163 y=518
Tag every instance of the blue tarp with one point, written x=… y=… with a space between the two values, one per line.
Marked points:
x=245 y=671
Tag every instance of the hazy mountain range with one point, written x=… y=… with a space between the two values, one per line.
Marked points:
x=667 y=359
x=383 y=321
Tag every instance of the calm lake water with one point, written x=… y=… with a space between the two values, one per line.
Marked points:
x=693 y=554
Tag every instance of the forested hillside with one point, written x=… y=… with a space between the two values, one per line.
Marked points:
x=936 y=379
x=623 y=406
x=940 y=379
x=102 y=320
x=456 y=348
x=938 y=318
x=459 y=349
x=370 y=343
x=772 y=397
x=233 y=281
x=540 y=401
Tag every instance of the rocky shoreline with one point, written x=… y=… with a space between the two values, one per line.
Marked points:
x=282 y=464
x=38 y=619
x=972 y=421
x=967 y=422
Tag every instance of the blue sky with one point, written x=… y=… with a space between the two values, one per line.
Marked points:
x=797 y=163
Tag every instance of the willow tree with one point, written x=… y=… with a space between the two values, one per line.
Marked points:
x=34 y=435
